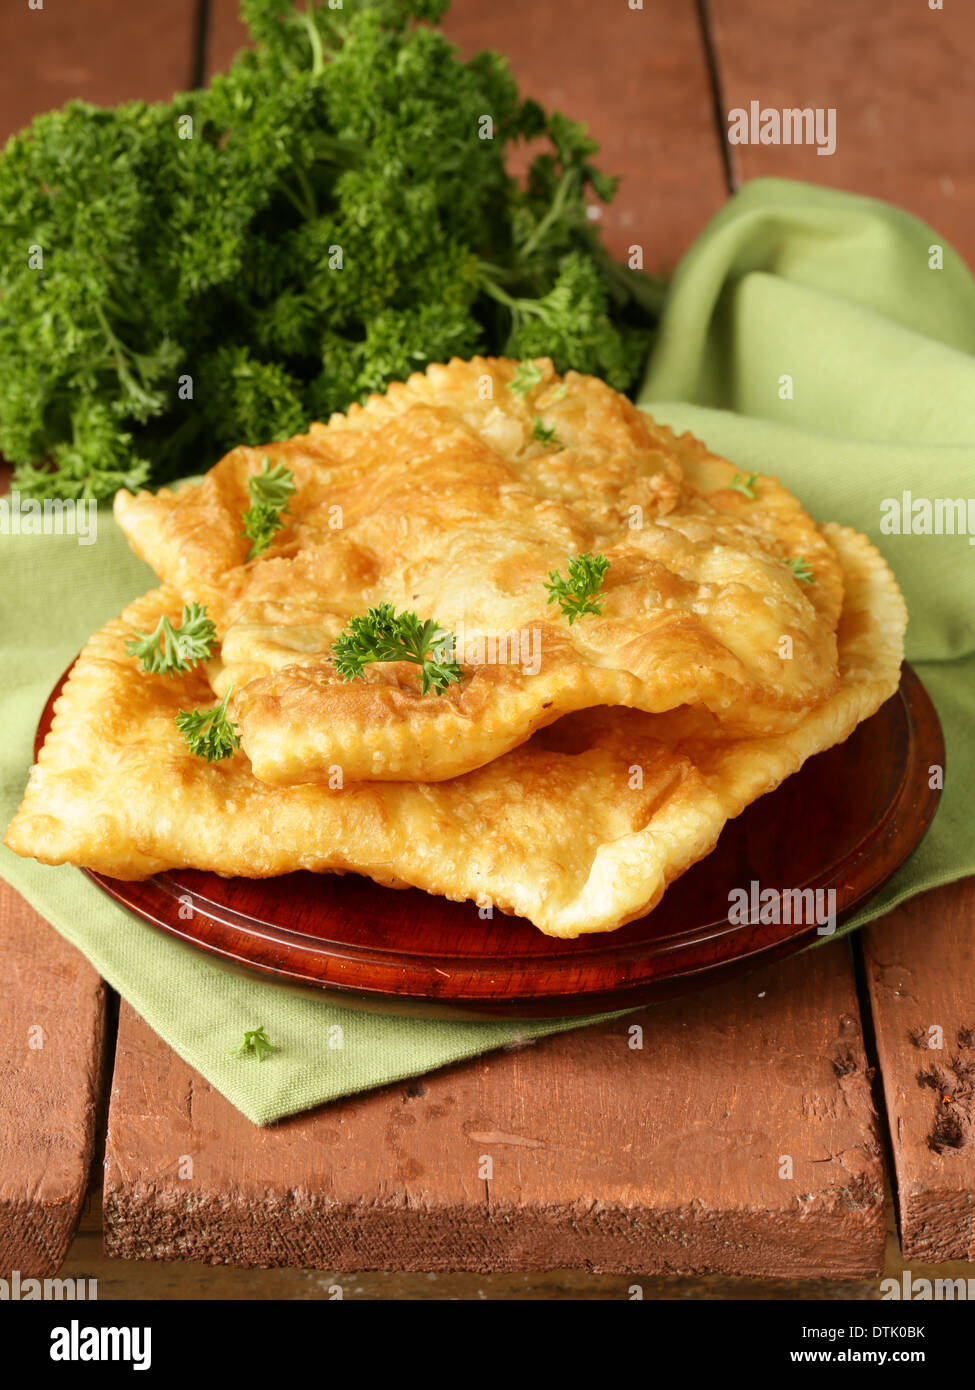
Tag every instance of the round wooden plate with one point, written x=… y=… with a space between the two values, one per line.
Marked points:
x=845 y=822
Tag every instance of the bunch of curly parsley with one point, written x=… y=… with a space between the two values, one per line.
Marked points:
x=333 y=223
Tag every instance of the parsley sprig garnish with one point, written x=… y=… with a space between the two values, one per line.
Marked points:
x=384 y=635
x=269 y=491
x=181 y=647
x=256 y=1044
x=208 y=732
x=545 y=434
x=306 y=144
x=745 y=484
x=801 y=569
x=525 y=378
x=580 y=593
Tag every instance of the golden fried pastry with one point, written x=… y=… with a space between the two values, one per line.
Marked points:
x=454 y=495
x=559 y=830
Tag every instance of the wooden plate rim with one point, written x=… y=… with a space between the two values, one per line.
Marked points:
x=636 y=967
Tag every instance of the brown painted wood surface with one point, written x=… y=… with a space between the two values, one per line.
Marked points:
x=96 y=50
x=664 y=1159
x=103 y=52
x=52 y=1015
x=920 y=965
x=190 y=1279
x=898 y=77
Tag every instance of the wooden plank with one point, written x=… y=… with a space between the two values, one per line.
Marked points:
x=160 y=1279
x=52 y=1006
x=52 y=1015
x=638 y=78
x=895 y=75
x=903 y=133
x=100 y=51
x=920 y=965
x=659 y=1160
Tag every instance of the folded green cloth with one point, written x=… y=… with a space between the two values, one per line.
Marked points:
x=831 y=290
x=830 y=339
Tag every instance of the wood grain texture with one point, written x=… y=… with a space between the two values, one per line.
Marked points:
x=103 y=52
x=920 y=965
x=49 y=1094
x=639 y=80
x=99 y=51
x=897 y=75
x=52 y=1015
x=661 y=1160
x=138 y=1280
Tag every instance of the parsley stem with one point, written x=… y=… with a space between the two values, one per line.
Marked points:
x=518 y=307
x=315 y=39
x=567 y=187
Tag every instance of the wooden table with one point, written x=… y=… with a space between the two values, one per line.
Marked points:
x=749 y=1140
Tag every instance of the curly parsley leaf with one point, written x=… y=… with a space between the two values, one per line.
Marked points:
x=580 y=593
x=801 y=570
x=744 y=483
x=270 y=491
x=383 y=635
x=169 y=291
x=209 y=733
x=525 y=379
x=576 y=321
x=545 y=434
x=256 y=1044
x=175 y=650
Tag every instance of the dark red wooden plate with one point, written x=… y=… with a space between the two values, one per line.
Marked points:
x=846 y=821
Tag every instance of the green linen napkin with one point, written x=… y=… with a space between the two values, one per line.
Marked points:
x=787 y=280
x=830 y=339
x=53 y=594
